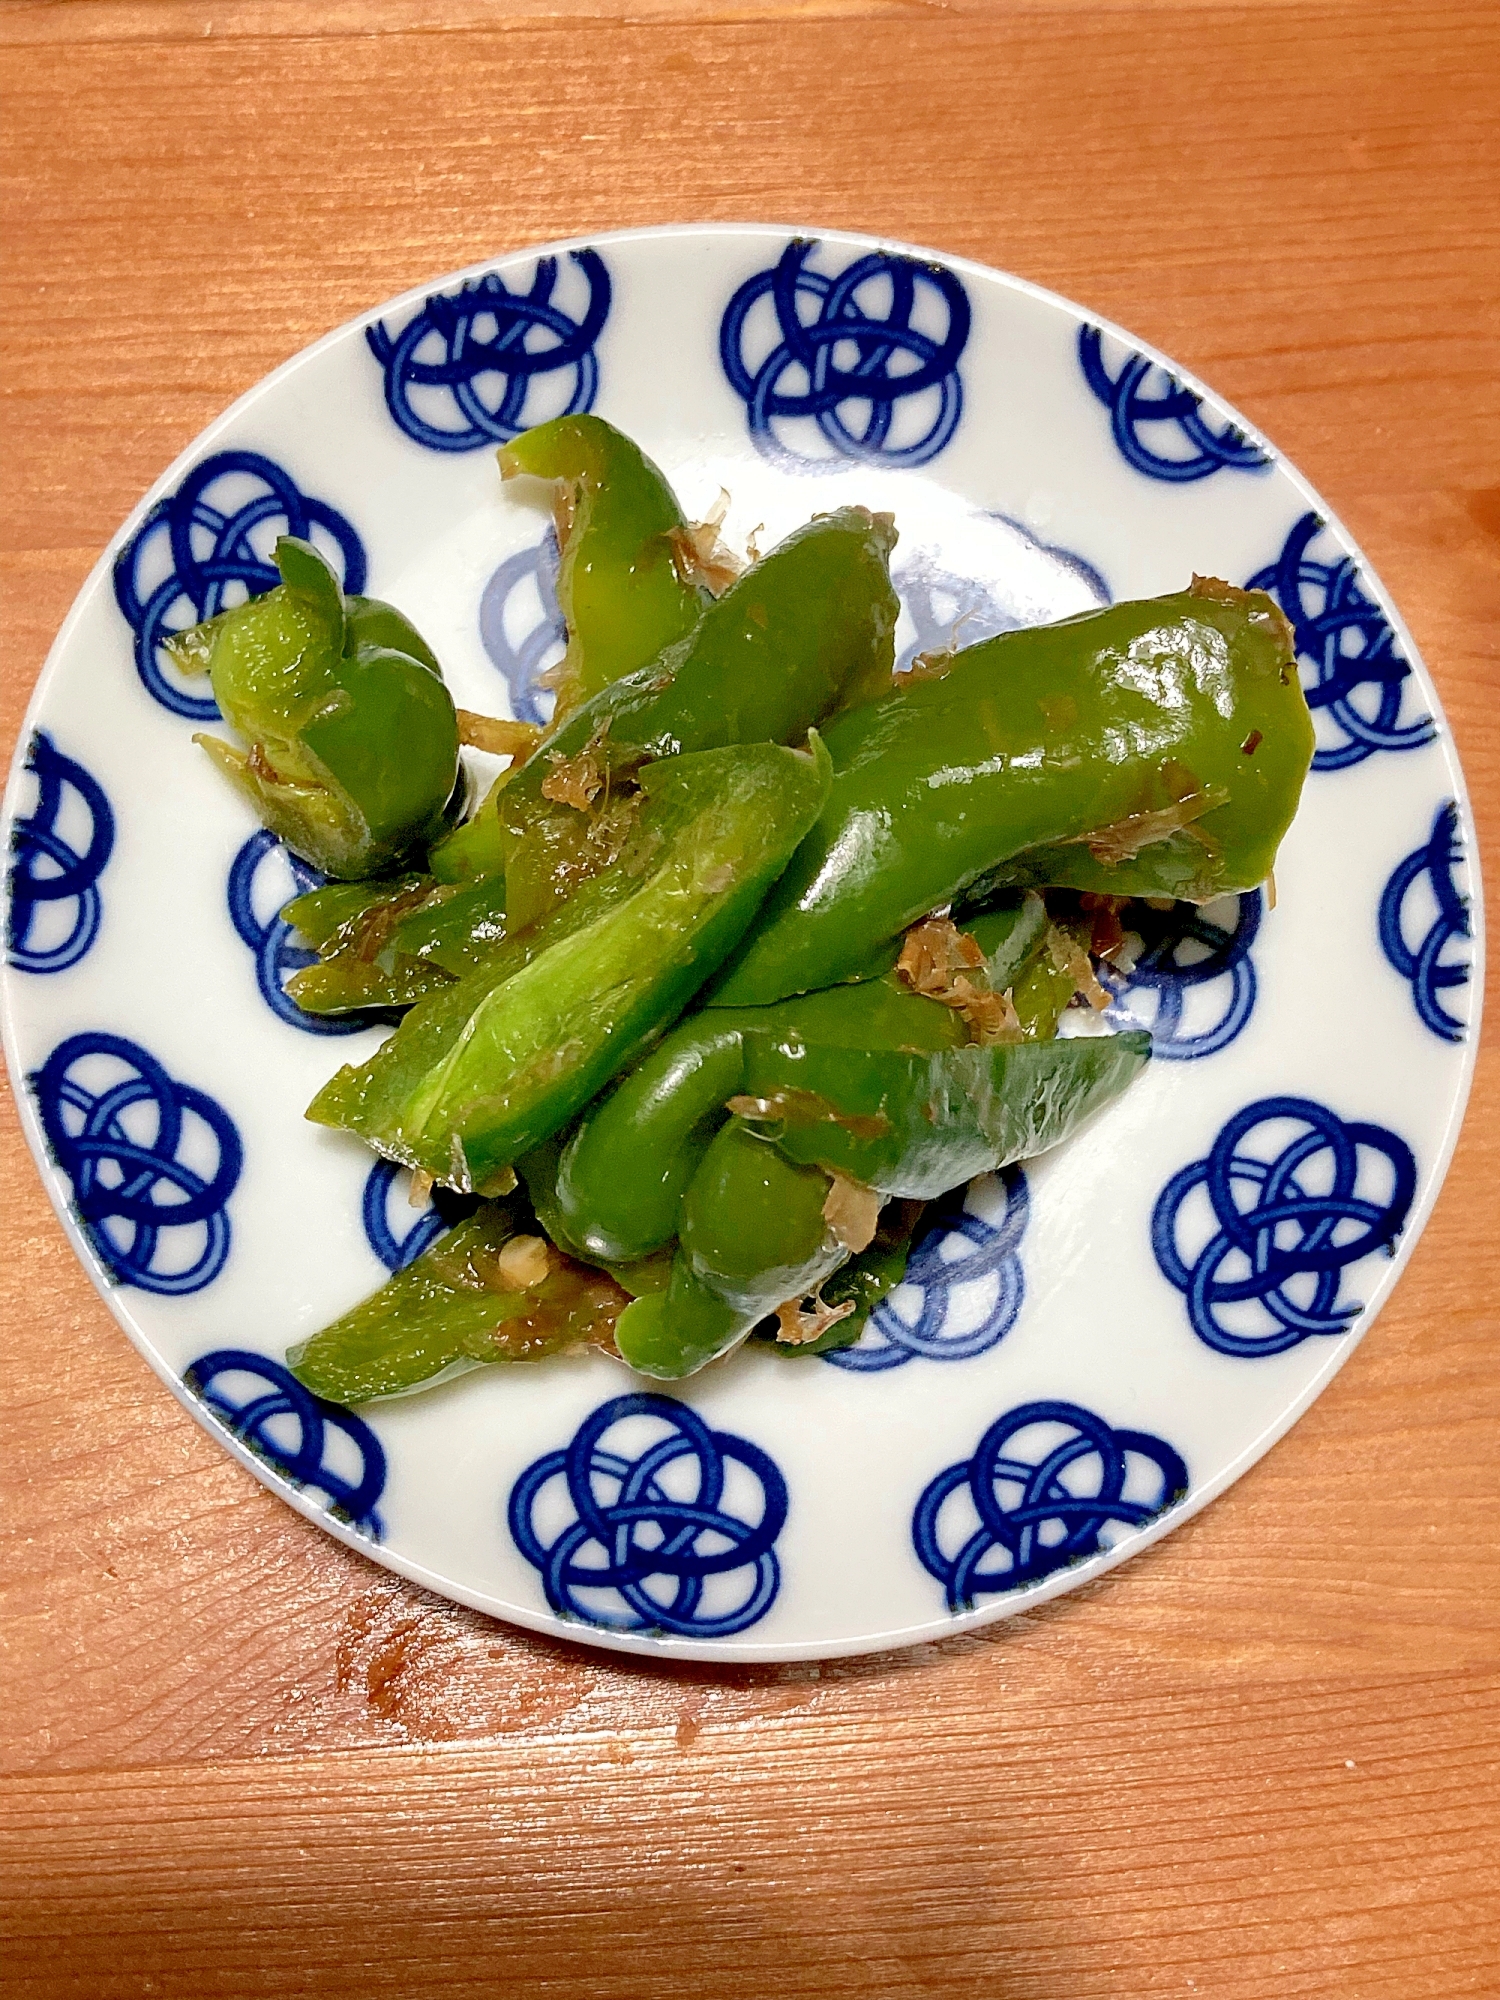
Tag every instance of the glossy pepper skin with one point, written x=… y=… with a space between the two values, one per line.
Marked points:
x=622 y=1175
x=1061 y=754
x=803 y=634
x=450 y=1310
x=916 y=1125
x=396 y=943
x=619 y=582
x=615 y=1185
x=321 y=689
x=753 y=1235
x=480 y=1074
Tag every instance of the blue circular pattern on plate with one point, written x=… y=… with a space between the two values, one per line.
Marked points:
x=529 y=571
x=1345 y=641
x=397 y=1248
x=270 y=939
x=1424 y=967
x=949 y=610
x=1156 y=992
x=1289 y=1232
x=530 y=339
x=1133 y=400
x=841 y=358
x=960 y=1249
x=305 y=1462
x=645 y=1532
x=47 y=870
x=1042 y=1509
x=201 y=545
x=139 y=1182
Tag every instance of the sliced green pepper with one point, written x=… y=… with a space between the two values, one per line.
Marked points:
x=623 y=1173
x=353 y=743
x=1152 y=749
x=917 y=1125
x=621 y=1178
x=403 y=941
x=620 y=585
x=450 y=1309
x=804 y=633
x=481 y=1073
x=753 y=1235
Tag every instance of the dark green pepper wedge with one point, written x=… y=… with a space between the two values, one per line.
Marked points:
x=620 y=585
x=753 y=1235
x=482 y=1073
x=402 y=942
x=805 y=632
x=324 y=705
x=623 y=1173
x=451 y=1309
x=917 y=1125
x=870 y=1276
x=1153 y=749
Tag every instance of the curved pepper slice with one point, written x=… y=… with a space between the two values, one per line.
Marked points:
x=804 y=633
x=753 y=1234
x=1153 y=749
x=454 y=1308
x=484 y=1072
x=314 y=682
x=623 y=1173
x=619 y=583
x=614 y=1189
x=917 y=1125
x=396 y=943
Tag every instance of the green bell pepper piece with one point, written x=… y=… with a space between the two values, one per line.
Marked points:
x=480 y=1074
x=870 y=1276
x=753 y=1235
x=354 y=743
x=448 y=1310
x=622 y=1175
x=620 y=586
x=805 y=632
x=619 y=1183
x=1153 y=749
x=324 y=916
x=752 y=1223
x=919 y=1124
x=403 y=941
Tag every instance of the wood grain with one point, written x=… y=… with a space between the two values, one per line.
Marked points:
x=235 y=1759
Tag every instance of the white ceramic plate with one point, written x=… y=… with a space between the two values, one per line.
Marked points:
x=1099 y=1345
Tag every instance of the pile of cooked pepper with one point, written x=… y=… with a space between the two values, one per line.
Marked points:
x=746 y=958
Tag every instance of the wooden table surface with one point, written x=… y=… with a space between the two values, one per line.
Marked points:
x=1261 y=1761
